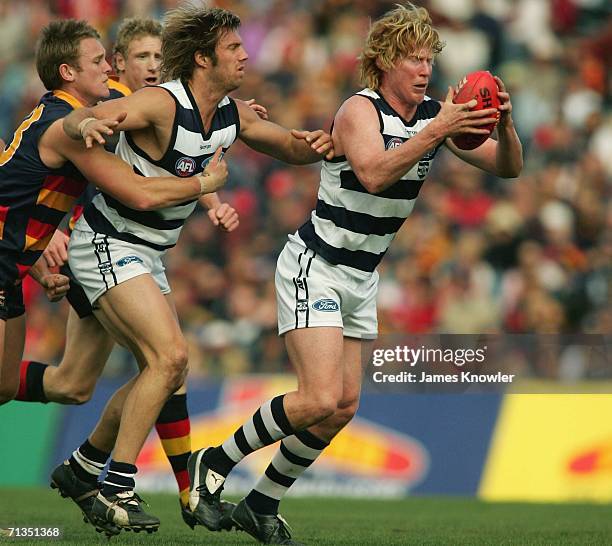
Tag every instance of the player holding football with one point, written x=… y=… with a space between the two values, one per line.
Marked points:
x=385 y=138
x=171 y=128
x=39 y=180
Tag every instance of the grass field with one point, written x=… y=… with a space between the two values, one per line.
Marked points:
x=423 y=521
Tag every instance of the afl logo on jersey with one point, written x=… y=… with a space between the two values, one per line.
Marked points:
x=394 y=143
x=185 y=166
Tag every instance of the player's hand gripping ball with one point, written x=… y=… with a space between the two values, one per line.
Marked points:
x=481 y=86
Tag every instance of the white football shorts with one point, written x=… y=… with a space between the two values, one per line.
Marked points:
x=99 y=262
x=311 y=292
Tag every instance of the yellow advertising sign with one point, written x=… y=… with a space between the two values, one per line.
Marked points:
x=551 y=447
x=363 y=449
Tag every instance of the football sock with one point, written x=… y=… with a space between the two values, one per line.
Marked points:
x=120 y=478
x=268 y=425
x=88 y=462
x=174 y=430
x=31 y=382
x=295 y=455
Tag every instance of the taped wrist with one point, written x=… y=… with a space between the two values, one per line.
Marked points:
x=81 y=125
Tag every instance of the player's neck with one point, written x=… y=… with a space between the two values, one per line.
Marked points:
x=74 y=93
x=404 y=109
x=206 y=95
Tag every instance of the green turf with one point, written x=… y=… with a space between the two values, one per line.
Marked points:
x=423 y=521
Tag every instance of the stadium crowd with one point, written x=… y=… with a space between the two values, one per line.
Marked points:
x=478 y=254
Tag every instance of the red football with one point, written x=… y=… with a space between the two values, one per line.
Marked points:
x=481 y=86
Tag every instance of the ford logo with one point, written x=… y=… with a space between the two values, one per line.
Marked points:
x=326 y=305
x=128 y=260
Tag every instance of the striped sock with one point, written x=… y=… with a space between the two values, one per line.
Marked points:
x=174 y=430
x=31 y=382
x=295 y=455
x=120 y=478
x=88 y=462
x=268 y=425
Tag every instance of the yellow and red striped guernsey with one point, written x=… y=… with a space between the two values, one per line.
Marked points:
x=34 y=198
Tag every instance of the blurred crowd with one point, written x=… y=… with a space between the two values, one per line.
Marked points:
x=478 y=254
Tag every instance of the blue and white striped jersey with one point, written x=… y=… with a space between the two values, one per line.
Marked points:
x=352 y=227
x=189 y=150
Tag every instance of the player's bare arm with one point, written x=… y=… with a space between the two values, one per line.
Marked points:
x=150 y=107
x=502 y=157
x=295 y=147
x=356 y=134
x=115 y=177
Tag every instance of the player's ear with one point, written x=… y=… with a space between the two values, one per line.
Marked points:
x=202 y=60
x=67 y=72
x=119 y=62
x=380 y=66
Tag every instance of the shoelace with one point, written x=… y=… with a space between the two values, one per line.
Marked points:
x=131 y=501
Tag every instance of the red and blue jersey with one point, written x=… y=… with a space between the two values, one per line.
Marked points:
x=33 y=197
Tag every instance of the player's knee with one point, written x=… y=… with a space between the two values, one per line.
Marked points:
x=347 y=408
x=323 y=405
x=65 y=389
x=174 y=366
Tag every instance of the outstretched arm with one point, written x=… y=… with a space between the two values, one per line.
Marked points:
x=119 y=180
x=295 y=147
x=147 y=107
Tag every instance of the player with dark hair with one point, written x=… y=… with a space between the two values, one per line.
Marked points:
x=137 y=58
x=88 y=345
x=39 y=180
x=175 y=127
x=385 y=138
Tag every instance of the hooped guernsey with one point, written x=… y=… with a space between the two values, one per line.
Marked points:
x=190 y=149
x=33 y=197
x=352 y=227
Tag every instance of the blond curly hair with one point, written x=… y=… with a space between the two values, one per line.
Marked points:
x=402 y=31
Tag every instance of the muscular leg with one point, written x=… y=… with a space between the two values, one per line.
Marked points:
x=89 y=459
x=316 y=355
x=299 y=451
x=353 y=365
x=172 y=426
x=153 y=335
x=88 y=347
x=12 y=340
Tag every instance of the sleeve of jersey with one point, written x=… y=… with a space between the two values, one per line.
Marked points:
x=51 y=113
